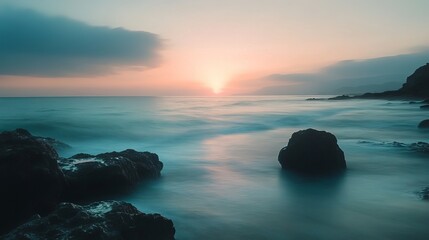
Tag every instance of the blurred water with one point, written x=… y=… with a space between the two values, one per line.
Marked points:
x=221 y=178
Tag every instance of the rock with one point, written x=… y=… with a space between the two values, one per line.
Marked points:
x=342 y=97
x=315 y=99
x=30 y=180
x=424 y=106
x=96 y=221
x=422 y=147
x=90 y=176
x=424 y=193
x=424 y=124
x=417 y=83
x=312 y=151
x=57 y=145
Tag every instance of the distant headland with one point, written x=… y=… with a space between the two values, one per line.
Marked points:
x=416 y=87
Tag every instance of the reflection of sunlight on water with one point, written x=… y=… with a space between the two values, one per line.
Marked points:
x=226 y=181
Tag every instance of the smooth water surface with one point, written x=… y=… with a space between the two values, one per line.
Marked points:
x=221 y=178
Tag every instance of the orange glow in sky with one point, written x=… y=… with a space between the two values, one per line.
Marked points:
x=230 y=48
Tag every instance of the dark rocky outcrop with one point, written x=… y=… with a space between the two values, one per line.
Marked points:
x=416 y=86
x=312 y=151
x=424 y=124
x=89 y=176
x=418 y=83
x=100 y=220
x=30 y=180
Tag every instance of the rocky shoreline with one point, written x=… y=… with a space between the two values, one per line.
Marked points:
x=99 y=220
x=36 y=182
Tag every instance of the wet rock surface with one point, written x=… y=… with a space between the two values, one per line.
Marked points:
x=31 y=181
x=91 y=175
x=312 y=151
x=57 y=145
x=96 y=221
x=32 y=184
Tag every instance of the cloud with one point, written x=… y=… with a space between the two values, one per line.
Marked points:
x=32 y=44
x=349 y=76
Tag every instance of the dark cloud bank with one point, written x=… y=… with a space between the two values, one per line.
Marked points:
x=32 y=44
x=351 y=76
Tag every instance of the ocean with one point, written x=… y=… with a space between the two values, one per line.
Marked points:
x=221 y=178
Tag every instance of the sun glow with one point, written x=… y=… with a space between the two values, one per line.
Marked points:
x=216 y=83
x=216 y=86
x=216 y=79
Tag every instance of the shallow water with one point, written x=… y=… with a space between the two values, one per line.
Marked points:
x=221 y=178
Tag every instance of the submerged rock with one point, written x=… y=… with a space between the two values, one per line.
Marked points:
x=91 y=175
x=96 y=221
x=424 y=193
x=424 y=124
x=30 y=180
x=312 y=151
x=420 y=147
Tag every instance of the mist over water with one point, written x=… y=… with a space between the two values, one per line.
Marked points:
x=221 y=178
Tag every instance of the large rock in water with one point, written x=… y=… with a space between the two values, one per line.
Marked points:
x=312 y=151
x=89 y=176
x=30 y=180
x=100 y=220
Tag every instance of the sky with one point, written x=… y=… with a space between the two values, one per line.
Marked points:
x=184 y=47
